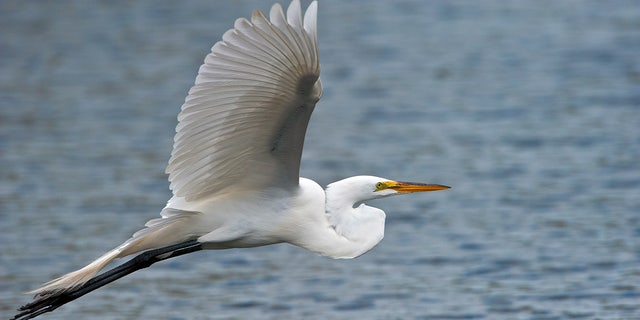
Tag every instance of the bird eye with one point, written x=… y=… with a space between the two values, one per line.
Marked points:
x=380 y=186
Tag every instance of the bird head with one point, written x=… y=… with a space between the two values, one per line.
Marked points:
x=362 y=188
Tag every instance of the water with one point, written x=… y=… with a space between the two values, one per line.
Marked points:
x=530 y=110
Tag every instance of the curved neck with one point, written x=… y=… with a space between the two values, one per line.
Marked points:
x=338 y=230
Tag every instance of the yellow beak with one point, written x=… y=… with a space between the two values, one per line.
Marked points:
x=407 y=187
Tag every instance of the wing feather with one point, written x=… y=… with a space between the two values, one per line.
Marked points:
x=242 y=124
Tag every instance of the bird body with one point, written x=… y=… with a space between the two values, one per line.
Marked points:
x=234 y=168
x=302 y=218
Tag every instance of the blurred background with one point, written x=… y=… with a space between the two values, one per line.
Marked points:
x=530 y=110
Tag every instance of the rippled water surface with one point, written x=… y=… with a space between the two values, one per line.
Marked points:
x=529 y=109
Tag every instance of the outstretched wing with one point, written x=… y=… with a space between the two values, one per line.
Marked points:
x=243 y=123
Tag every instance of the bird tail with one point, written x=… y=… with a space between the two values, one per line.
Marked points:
x=158 y=233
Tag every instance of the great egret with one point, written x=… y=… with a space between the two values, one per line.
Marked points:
x=234 y=168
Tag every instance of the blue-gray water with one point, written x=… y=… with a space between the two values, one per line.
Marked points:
x=529 y=109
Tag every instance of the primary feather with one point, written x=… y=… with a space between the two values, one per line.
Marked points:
x=243 y=123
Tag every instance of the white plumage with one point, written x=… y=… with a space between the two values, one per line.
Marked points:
x=242 y=125
x=234 y=168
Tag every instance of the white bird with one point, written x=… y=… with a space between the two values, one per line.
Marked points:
x=234 y=168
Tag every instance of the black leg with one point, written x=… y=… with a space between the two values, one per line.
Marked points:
x=49 y=303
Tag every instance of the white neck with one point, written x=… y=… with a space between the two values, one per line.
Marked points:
x=338 y=230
